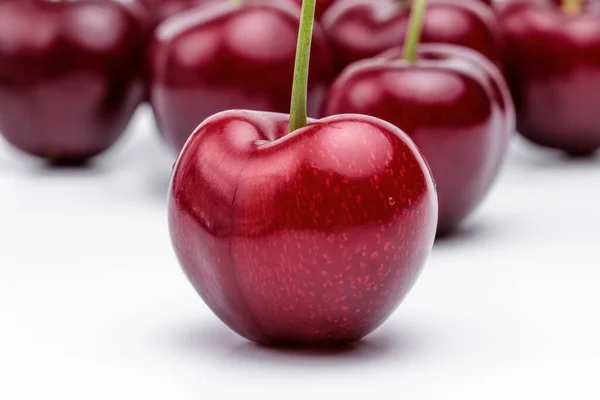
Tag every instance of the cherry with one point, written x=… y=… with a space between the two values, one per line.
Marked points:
x=453 y=102
x=365 y=28
x=224 y=56
x=297 y=231
x=553 y=68
x=68 y=87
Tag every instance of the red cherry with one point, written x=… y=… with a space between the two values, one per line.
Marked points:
x=222 y=56
x=553 y=68
x=362 y=29
x=68 y=87
x=312 y=238
x=453 y=103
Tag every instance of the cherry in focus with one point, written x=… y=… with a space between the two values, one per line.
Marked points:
x=311 y=237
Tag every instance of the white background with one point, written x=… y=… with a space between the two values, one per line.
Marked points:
x=94 y=306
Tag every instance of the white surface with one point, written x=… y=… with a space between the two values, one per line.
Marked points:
x=93 y=304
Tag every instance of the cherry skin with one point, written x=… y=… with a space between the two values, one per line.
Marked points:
x=362 y=29
x=222 y=56
x=141 y=12
x=310 y=238
x=68 y=87
x=553 y=68
x=163 y=9
x=452 y=102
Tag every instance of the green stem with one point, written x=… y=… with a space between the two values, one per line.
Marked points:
x=236 y=3
x=572 y=7
x=298 y=118
x=415 y=27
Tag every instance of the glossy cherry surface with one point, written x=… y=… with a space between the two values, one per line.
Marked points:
x=362 y=29
x=453 y=103
x=230 y=57
x=312 y=237
x=69 y=76
x=553 y=67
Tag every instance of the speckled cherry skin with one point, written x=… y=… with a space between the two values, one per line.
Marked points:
x=359 y=29
x=69 y=76
x=553 y=68
x=312 y=238
x=452 y=102
x=225 y=57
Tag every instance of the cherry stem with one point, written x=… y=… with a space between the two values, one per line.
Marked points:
x=415 y=28
x=298 y=117
x=236 y=3
x=572 y=7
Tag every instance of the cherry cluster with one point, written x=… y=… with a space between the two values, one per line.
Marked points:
x=295 y=229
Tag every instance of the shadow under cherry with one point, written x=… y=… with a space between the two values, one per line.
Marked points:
x=220 y=344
